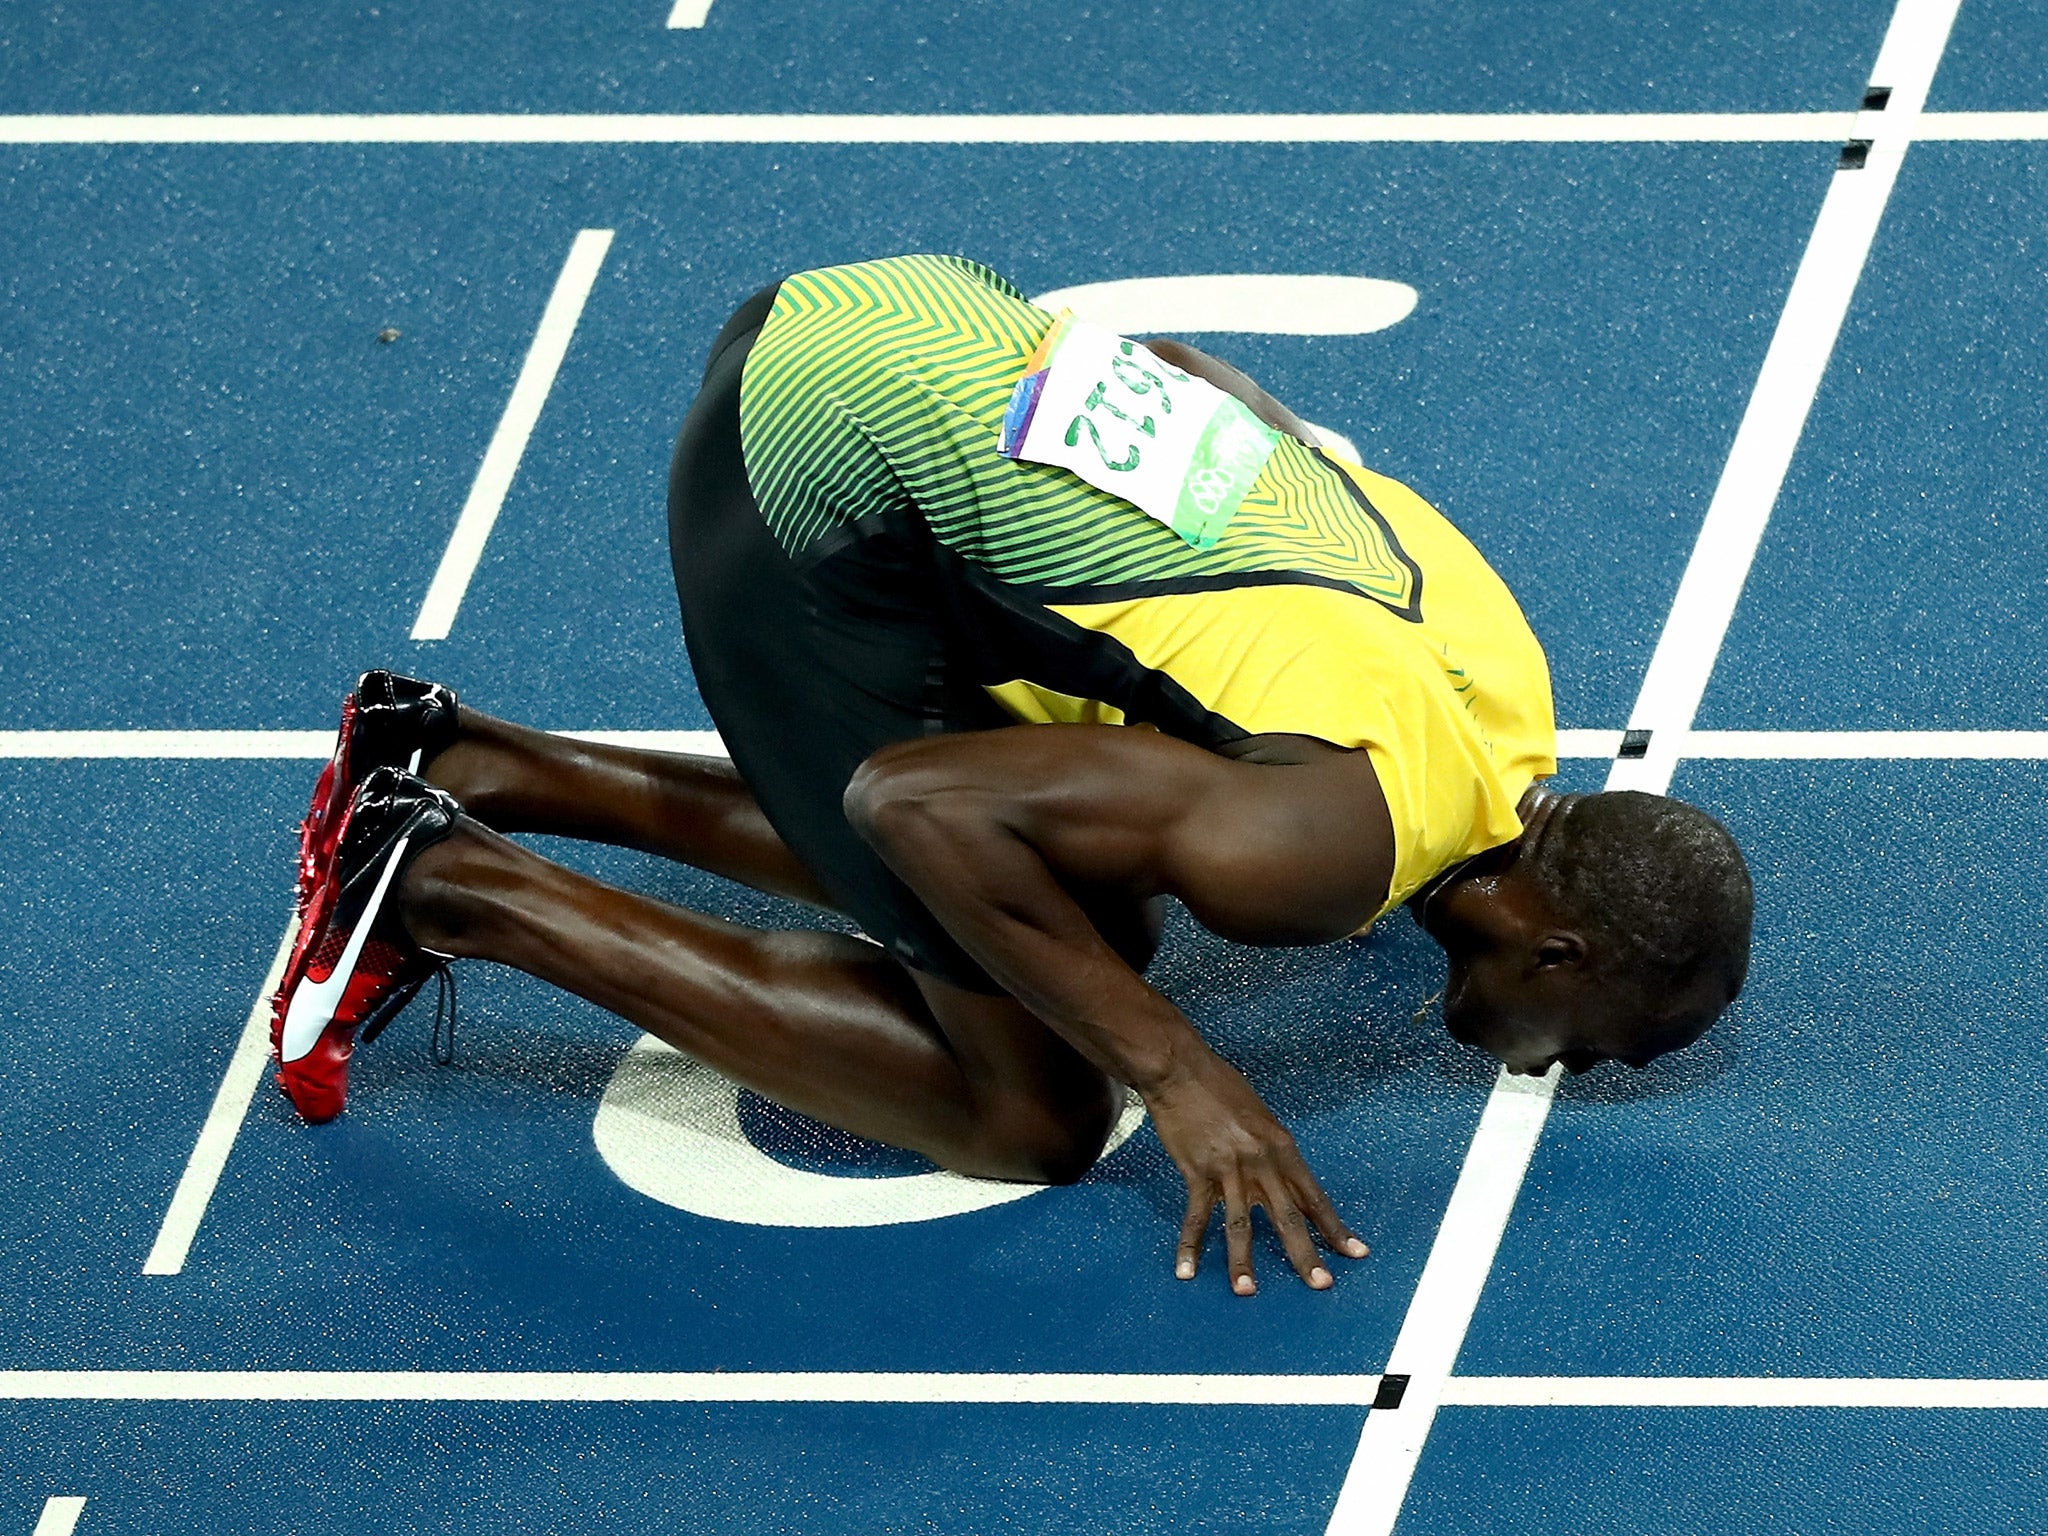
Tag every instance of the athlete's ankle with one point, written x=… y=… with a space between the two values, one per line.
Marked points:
x=461 y=769
x=480 y=767
x=442 y=898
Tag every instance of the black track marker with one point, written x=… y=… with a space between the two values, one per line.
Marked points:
x=1391 y=1390
x=1854 y=153
x=1876 y=98
x=1635 y=744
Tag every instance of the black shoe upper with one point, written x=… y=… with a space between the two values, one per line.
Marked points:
x=388 y=805
x=398 y=716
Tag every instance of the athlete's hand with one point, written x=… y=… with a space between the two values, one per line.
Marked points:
x=1229 y=1147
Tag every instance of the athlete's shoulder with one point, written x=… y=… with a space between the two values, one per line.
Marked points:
x=1465 y=581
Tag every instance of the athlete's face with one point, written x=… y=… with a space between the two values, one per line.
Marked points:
x=1520 y=986
x=1531 y=1015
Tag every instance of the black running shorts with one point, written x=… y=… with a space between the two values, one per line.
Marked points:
x=808 y=669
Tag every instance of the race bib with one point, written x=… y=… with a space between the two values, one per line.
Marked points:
x=1174 y=446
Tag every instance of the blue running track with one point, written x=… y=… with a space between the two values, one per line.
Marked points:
x=221 y=497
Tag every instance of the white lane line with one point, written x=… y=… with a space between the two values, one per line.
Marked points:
x=1739 y=1392
x=1222 y=1390
x=311 y=746
x=913 y=128
x=1980 y=127
x=60 y=1516
x=1257 y=303
x=223 y=1124
x=910 y=128
x=201 y=744
x=1852 y=746
x=1588 y=743
x=689 y=13
x=1771 y=427
x=508 y=443
x=683 y=1387
x=1376 y=1485
x=1865 y=745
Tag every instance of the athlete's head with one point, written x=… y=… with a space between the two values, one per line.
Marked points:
x=1616 y=928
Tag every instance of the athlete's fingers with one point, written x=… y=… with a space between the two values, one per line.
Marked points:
x=1316 y=1205
x=1194 y=1227
x=1237 y=1236
x=1294 y=1237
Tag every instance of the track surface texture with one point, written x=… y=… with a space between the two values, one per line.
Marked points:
x=1751 y=424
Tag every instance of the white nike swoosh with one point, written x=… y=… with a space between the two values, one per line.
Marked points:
x=313 y=1003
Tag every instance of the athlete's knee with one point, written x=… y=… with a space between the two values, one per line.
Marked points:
x=1034 y=1108
x=1045 y=1142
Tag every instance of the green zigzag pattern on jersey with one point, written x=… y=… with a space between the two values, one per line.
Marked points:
x=882 y=386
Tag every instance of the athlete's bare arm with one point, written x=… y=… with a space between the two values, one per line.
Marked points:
x=1292 y=845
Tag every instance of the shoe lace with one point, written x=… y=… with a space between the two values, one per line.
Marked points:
x=444 y=1007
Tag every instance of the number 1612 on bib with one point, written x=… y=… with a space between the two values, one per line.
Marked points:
x=1174 y=446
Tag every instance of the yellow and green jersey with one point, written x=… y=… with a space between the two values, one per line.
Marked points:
x=1337 y=604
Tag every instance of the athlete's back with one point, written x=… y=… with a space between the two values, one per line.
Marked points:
x=1336 y=604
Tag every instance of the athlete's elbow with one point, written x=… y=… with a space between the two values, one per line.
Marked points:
x=892 y=804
